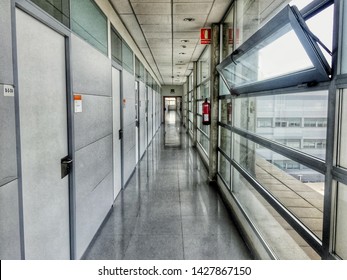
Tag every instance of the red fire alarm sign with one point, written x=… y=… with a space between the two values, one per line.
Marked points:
x=205 y=36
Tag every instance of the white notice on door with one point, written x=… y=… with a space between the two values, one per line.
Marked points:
x=8 y=90
x=78 y=103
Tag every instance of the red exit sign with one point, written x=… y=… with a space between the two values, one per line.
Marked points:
x=205 y=36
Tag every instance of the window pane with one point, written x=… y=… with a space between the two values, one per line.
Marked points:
x=59 y=9
x=341 y=225
x=204 y=128
x=128 y=60
x=225 y=111
x=344 y=41
x=285 y=242
x=224 y=169
x=203 y=91
x=229 y=34
x=199 y=109
x=204 y=142
x=89 y=22
x=225 y=140
x=295 y=117
x=116 y=46
x=322 y=26
x=300 y=190
x=204 y=63
x=278 y=55
x=343 y=131
x=223 y=90
x=264 y=122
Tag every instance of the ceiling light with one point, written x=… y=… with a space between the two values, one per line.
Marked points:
x=183 y=46
x=189 y=19
x=182 y=53
x=184 y=41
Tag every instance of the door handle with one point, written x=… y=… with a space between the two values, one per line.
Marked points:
x=66 y=161
x=66 y=166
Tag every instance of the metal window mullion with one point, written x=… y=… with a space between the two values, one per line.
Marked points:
x=314 y=8
x=204 y=133
x=310 y=161
x=330 y=193
x=339 y=174
x=341 y=81
x=224 y=155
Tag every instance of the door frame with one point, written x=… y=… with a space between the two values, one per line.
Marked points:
x=33 y=11
x=120 y=69
x=138 y=121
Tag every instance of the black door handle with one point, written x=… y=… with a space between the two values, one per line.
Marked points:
x=66 y=166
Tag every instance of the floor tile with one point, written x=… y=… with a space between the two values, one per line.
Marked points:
x=169 y=211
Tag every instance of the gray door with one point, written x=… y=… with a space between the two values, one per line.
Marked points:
x=117 y=142
x=44 y=138
x=128 y=125
x=137 y=119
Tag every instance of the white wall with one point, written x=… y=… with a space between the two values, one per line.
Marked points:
x=166 y=91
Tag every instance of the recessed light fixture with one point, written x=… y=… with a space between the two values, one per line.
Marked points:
x=184 y=41
x=182 y=53
x=183 y=46
x=189 y=19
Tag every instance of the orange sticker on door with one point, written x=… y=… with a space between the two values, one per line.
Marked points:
x=77 y=103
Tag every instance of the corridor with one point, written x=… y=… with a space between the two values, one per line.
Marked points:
x=168 y=210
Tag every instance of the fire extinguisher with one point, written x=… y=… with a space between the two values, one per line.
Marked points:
x=206 y=113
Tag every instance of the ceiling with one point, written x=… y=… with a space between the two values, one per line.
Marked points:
x=169 y=41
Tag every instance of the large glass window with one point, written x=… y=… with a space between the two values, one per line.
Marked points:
x=229 y=34
x=286 y=117
x=341 y=225
x=284 y=74
x=225 y=111
x=342 y=148
x=204 y=65
x=203 y=140
x=128 y=59
x=279 y=55
x=300 y=190
x=282 y=239
x=59 y=9
x=224 y=169
x=344 y=41
x=225 y=140
x=89 y=22
x=116 y=46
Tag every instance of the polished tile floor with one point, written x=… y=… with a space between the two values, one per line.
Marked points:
x=168 y=210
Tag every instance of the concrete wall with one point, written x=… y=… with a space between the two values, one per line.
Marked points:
x=9 y=206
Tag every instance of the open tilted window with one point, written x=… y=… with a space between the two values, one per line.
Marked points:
x=283 y=53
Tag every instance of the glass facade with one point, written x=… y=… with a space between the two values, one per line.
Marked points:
x=273 y=141
x=203 y=93
x=292 y=120
x=190 y=103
